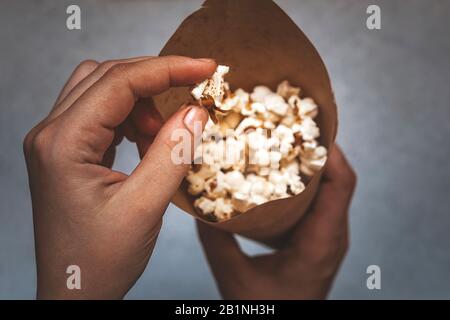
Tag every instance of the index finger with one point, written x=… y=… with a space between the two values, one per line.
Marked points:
x=107 y=103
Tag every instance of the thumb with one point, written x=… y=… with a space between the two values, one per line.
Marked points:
x=166 y=162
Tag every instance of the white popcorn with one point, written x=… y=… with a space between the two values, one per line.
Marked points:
x=276 y=104
x=309 y=146
x=214 y=87
x=242 y=100
x=259 y=93
x=244 y=188
x=257 y=149
x=234 y=180
x=234 y=151
x=212 y=131
x=256 y=139
x=272 y=143
x=210 y=93
x=205 y=205
x=312 y=160
x=295 y=184
x=285 y=134
x=196 y=184
x=197 y=92
x=215 y=186
x=285 y=90
x=268 y=124
x=308 y=108
x=241 y=202
x=257 y=199
x=309 y=129
x=292 y=168
x=305 y=107
x=224 y=209
x=275 y=158
x=246 y=124
x=289 y=120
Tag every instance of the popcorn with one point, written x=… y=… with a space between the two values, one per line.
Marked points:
x=234 y=180
x=308 y=108
x=309 y=129
x=224 y=209
x=255 y=148
x=276 y=104
x=305 y=107
x=285 y=90
x=205 y=205
x=215 y=186
x=196 y=184
x=210 y=93
x=313 y=160
x=247 y=123
x=259 y=93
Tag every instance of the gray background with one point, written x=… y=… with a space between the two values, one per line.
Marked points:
x=392 y=88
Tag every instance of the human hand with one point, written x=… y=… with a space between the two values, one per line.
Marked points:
x=85 y=213
x=306 y=266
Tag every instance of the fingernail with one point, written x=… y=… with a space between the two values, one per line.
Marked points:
x=207 y=60
x=194 y=119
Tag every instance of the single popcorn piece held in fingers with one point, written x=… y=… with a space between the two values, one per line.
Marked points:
x=210 y=93
x=258 y=147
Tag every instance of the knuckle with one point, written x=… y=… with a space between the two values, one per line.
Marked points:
x=28 y=141
x=105 y=66
x=349 y=179
x=318 y=254
x=41 y=140
x=87 y=66
x=117 y=70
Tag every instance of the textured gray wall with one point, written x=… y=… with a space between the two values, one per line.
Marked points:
x=393 y=94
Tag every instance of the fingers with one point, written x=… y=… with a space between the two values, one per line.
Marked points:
x=145 y=118
x=223 y=253
x=328 y=218
x=80 y=73
x=167 y=160
x=108 y=102
x=112 y=97
x=75 y=89
x=336 y=191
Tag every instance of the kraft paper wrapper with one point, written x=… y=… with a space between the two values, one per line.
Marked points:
x=262 y=46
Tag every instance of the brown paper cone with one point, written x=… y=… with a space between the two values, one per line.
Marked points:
x=262 y=46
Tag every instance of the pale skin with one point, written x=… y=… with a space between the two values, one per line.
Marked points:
x=107 y=222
